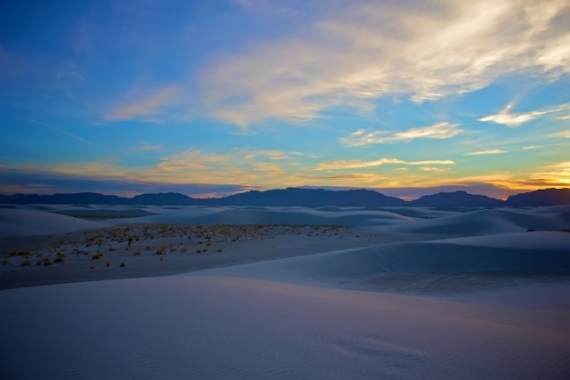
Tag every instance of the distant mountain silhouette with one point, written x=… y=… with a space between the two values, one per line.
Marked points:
x=456 y=199
x=164 y=199
x=301 y=197
x=311 y=198
x=546 y=197
x=74 y=198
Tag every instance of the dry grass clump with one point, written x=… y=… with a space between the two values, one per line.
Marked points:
x=220 y=250
x=26 y=262
x=47 y=262
x=60 y=257
x=97 y=255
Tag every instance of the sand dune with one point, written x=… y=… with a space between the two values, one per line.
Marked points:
x=18 y=222
x=275 y=215
x=483 y=222
x=389 y=308
x=209 y=327
x=526 y=253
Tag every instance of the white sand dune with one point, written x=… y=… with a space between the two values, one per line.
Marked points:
x=538 y=252
x=208 y=327
x=483 y=222
x=297 y=215
x=309 y=317
x=19 y=222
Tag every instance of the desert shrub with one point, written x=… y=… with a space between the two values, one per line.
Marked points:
x=97 y=255
x=47 y=261
x=122 y=265
x=220 y=250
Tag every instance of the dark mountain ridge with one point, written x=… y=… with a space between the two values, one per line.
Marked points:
x=545 y=197
x=456 y=199
x=301 y=197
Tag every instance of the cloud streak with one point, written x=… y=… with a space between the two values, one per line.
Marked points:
x=487 y=152
x=506 y=117
x=148 y=106
x=361 y=164
x=442 y=130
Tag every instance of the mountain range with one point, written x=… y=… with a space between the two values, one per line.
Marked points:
x=302 y=197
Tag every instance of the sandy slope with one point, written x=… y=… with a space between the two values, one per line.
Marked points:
x=208 y=327
x=538 y=253
x=19 y=222
x=485 y=222
x=271 y=215
x=317 y=316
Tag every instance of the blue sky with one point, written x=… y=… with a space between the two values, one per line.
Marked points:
x=210 y=98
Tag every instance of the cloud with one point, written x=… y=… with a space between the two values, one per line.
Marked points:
x=443 y=130
x=146 y=147
x=361 y=164
x=147 y=106
x=554 y=175
x=509 y=119
x=486 y=152
x=190 y=166
x=433 y=169
x=42 y=182
x=369 y=50
x=563 y=134
x=59 y=130
x=270 y=154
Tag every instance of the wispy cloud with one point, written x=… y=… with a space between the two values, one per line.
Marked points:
x=442 y=130
x=486 y=152
x=506 y=117
x=361 y=164
x=375 y=49
x=433 y=169
x=147 y=106
x=563 y=134
x=60 y=130
x=554 y=175
x=146 y=147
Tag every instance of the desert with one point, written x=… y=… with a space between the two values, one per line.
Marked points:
x=284 y=292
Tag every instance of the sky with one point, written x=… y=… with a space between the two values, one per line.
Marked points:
x=210 y=98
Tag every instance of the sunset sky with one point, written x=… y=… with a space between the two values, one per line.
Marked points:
x=209 y=98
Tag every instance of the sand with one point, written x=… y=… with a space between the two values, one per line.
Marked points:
x=331 y=293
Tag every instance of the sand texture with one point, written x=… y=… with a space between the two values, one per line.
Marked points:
x=281 y=293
